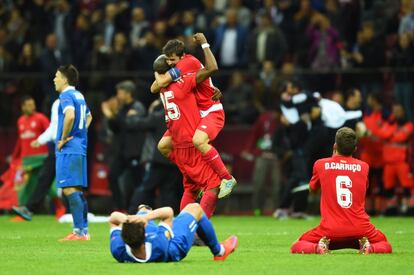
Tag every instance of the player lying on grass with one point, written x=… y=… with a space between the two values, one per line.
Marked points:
x=343 y=182
x=138 y=239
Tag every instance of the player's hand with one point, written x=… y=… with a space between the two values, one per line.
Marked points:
x=34 y=144
x=62 y=143
x=217 y=94
x=199 y=38
x=137 y=219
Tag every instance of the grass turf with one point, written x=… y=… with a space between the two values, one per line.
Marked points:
x=32 y=248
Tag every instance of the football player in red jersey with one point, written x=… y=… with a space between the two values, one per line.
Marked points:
x=210 y=109
x=183 y=117
x=343 y=181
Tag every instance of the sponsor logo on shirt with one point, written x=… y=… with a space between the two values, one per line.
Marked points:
x=27 y=134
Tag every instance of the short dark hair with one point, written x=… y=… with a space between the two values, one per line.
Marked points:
x=346 y=141
x=174 y=46
x=25 y=98
x=377 y=96
x=71 y=74
x=133 y=234
x=160 y=64
x=128 y=86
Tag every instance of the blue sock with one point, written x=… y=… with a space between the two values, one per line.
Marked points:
x=76 y=208
x=85 y=215
x=206 y=232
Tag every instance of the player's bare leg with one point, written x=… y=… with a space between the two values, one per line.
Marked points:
x=202 y=142
x=165 y=146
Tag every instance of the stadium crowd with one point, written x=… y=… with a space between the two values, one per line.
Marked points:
x=272 y=54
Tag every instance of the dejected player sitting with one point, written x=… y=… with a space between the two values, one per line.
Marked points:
x=138 y=239
x=343 y=181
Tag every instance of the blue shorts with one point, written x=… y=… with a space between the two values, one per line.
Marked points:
x=71 y=171
x=184 y=228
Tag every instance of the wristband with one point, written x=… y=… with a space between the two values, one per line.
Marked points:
x=205 y=45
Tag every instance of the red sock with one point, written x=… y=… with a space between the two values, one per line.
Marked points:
x=208 y=203
x=303 y=247
x=381 y=247
x=188 y=197
x=212 y=157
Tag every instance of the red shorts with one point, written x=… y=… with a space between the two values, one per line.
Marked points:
x=212 y=124
x=315 y=234
x=397 y=172
x=197 y=174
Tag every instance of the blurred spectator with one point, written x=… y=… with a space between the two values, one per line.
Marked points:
x=238 y=101
x=62 y=24
x=6 y=63
x=259 y=148
x=323 y=38
x=208 y=19
x=160 y=34
x=353 y=102
x=396 y=134
x=119 y=57
x=139 y=26
x=369 y=53
x=402 y=59
x=160 y=173
x=407 y=22
x=244 y=16
x=109 y=27
x=27 y=60
x=230 y=42
x=126 y=144
x=81 y=41
x=266 y=43
x=302 y=19
x=144 y=56
x=17 y=28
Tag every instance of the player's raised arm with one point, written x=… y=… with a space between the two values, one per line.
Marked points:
x=211 y=63
x=155 y=88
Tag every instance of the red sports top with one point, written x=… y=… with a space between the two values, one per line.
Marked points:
x=29 y=129
x=372 y=146
x=181 y=112
x=204 y=90
x=343 y=182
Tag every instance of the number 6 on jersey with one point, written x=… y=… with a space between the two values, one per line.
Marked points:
x=343 y=194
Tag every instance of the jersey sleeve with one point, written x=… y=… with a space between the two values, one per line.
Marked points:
x=66 y=102
x=117 y=245
x=314 y=182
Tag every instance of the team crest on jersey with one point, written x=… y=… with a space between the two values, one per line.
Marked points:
x=167 y=235
x=33 y=124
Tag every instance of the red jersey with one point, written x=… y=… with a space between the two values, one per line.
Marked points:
x=396 y=139
x=29 y=129
x=181 y=112
x=372 y=146
x=343 y=182
x=204 y=90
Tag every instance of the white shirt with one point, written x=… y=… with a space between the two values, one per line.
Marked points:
x=228 y=52
x=50 y=133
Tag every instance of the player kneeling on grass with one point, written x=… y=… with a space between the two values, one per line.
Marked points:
x=138 y=239
x=343 y=181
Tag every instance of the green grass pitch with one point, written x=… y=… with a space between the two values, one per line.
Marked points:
x=32 y=248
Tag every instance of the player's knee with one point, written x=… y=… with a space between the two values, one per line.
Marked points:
x=198 y=141
x=195 y=210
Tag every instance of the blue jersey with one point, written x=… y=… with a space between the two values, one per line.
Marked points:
x=70 y=98
x=157 y=240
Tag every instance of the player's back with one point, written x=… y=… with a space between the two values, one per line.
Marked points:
x=343 y=182
x=204 y=90
x=73 y=99
x=181 y=111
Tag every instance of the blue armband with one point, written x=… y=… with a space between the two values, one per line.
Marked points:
x=175 y=73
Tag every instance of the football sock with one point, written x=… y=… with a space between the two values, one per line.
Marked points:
x=381 y=247
x=206 y=232
x=76 y=208
x=208 y=203
x=187 y=198
x=213 y=159
x=85 y=215
x=303 y=247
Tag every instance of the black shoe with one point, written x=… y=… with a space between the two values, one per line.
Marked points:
x=23 y=212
